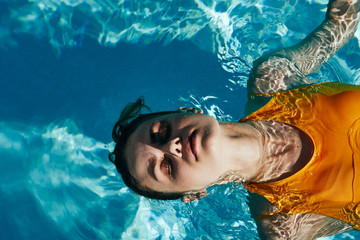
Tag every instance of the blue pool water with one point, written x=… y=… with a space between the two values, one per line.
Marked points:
x=67 y=67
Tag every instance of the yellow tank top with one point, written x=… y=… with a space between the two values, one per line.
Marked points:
x=329 y=184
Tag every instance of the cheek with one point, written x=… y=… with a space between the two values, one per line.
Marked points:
x=187 y=175
x=197 y=177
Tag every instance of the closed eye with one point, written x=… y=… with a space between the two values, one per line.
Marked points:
x=166 y=165
x=160 y=132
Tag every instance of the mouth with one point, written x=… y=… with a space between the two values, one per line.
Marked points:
x=192 y=143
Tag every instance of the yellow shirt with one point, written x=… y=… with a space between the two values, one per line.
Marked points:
x=330 y=182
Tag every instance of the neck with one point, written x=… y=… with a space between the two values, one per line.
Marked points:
x=242 y=146
x=263 y=151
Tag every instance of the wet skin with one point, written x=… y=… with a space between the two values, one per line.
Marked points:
x=178 y=152
x=186 y=153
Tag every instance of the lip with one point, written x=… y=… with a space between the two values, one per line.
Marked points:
x=192 y=144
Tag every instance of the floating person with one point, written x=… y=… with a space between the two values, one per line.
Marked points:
x=298 y=152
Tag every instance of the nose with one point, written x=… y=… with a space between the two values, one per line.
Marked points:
x=174 y=147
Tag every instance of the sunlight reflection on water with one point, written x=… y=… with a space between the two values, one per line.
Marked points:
x=67 y=172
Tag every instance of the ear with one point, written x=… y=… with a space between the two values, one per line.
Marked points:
x=194 y=196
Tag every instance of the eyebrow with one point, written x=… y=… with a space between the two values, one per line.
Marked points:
x=151 y=167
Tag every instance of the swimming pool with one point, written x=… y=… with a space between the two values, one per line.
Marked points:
x=68 y=67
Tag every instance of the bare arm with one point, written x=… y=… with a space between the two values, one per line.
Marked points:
x=287 y=68
x=298 y=226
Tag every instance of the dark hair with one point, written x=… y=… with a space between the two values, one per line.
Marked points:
x=130 y=118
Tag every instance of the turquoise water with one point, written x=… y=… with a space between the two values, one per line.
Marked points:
x=68 y=67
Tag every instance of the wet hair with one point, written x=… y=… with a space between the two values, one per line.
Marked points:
x=130 y=119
